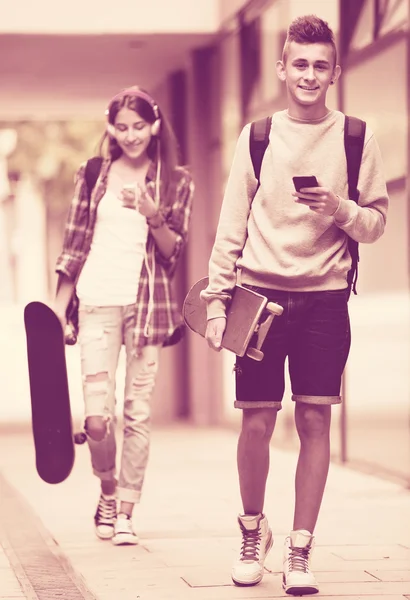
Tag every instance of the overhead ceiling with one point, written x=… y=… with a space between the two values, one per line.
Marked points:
x=86 y=68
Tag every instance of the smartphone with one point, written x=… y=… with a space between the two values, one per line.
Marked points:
x=305 y=182
x=128 y=200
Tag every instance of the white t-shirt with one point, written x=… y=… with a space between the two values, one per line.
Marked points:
x=112 y=270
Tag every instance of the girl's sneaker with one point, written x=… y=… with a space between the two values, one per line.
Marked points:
x=105 y=517
x=123 y=532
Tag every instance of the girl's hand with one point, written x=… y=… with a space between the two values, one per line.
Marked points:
x=144 y=203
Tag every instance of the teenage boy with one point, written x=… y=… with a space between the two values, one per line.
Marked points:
x=292 y=247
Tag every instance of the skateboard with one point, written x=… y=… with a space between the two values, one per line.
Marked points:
x=249 y=316
x=50 y=400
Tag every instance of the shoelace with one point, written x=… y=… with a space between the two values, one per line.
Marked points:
x=250 y=544
x=299 y=559
x=106 y=511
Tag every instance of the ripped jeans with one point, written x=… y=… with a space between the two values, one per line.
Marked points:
x=102 y=331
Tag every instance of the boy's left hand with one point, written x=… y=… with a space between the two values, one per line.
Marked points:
x=321 y=200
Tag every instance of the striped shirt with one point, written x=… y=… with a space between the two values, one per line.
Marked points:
x=165 y=317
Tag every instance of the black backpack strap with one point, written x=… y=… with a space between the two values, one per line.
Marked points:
x=92 y=171
x=354 y=134
x=258 y=142
x=355 y=130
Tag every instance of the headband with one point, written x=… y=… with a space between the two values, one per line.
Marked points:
x=134 y=91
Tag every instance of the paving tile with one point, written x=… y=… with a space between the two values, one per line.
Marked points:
x=364 y=588
x=390 y=575
x=365 y=565
x=189 y=534
x=204 y=577
x=360 y=597
x=193 y=559
x=344 y=576
x=373 y=552
x=9 y=585
x=119 y=585
x=268 y=589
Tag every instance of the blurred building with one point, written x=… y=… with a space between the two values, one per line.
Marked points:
x=211 y=64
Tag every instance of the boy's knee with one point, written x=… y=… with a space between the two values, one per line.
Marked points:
x=96 y=428
x=312 y=420
x=259 y=423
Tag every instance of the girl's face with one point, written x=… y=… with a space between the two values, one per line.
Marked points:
x=132 y=133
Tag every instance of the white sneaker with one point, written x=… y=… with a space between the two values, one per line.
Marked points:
x=256 y=542
x=297 y=576
x=123 y=532
x=105 y=516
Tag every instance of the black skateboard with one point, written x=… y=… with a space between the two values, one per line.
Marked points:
x=49 y=391
x=249 y=316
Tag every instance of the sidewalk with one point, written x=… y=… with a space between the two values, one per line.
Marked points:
x=188 y=531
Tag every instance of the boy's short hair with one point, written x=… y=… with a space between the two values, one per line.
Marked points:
x=309 y=29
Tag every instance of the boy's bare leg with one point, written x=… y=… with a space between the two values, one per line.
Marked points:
x=253 y=467
x=253 y=456
x=313 y=427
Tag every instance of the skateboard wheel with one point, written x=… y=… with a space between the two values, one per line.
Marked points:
x=274 y=308
x=70 y=336
x=255 y=354
x=80 y=438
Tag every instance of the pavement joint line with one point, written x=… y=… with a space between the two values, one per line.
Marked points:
x=34 y=556
x=372 y=575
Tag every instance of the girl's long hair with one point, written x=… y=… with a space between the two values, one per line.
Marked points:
x=162 y=148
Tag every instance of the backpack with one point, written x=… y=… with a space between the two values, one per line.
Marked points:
x=354 y=133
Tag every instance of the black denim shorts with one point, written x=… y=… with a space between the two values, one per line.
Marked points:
x=314 y=333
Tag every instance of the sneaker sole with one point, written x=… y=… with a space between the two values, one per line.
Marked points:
x=244 y=583
x=105 y=536
x=124 y=540
x=296 y=590
x=247 y=583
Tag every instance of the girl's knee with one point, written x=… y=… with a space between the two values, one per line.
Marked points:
x=96 y=427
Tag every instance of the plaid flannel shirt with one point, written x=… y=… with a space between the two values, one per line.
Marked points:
x=165 y=318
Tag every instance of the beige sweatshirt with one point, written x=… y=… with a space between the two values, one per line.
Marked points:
x=278 y=243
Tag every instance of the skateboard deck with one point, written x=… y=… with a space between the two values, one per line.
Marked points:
x=249 y=316
x=49 y=391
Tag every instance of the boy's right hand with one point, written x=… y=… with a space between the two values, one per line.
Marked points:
x=214 y=332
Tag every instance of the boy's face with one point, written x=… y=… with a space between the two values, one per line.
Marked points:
x=308 y=72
